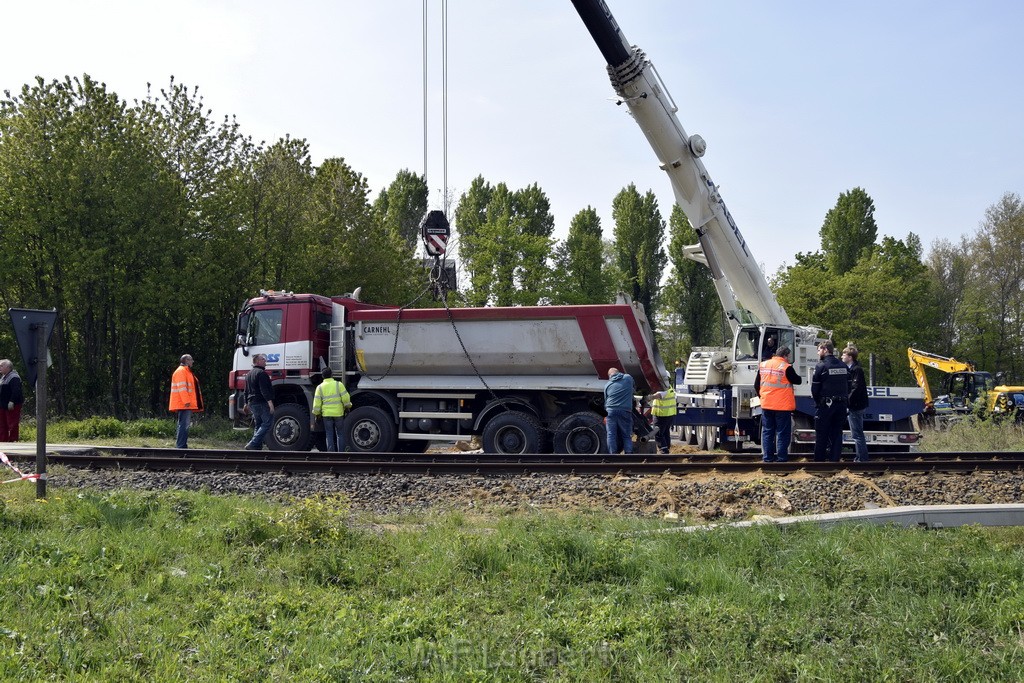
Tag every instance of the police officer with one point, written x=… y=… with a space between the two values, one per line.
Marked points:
x=830 y=388
x=663 y=407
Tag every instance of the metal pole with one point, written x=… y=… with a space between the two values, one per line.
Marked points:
x=41 y=336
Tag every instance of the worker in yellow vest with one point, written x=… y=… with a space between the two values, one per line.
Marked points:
x=331 y=400
x=663 y=408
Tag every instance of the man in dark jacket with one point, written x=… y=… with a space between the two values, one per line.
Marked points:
x=259 y=396
x=11 y=399
x=830 y=388
x=858 y=402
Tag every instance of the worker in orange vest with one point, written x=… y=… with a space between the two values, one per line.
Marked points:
x=186 y=398
x=774 y=385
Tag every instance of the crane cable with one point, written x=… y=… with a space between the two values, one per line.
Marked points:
x=445 y=200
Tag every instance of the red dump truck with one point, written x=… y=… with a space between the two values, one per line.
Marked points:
x=524 y=379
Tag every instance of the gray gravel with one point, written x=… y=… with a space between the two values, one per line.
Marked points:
x=712 y=497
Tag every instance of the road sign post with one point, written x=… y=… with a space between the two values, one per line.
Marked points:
x=33 y=329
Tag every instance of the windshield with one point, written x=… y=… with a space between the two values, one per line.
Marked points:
x=265 y=327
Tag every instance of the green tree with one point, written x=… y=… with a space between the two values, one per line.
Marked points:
x=690 y=313
x=85 y=188
x=205 y=162
x=849 y=229
x=949 y=269
x=639 y=233
x=881 y=304
x=995 y=298
x=280 y=178
x=401 y=206
x=504 y=242
x=352 y=250
x=579 y=275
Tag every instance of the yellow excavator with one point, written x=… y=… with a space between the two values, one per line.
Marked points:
x=961 y=386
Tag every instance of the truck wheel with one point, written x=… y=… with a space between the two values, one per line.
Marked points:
x=702 y=437
x=512 y=434
x=581 y=434
x=370 y=429
x=689 y=435
x=289 y=428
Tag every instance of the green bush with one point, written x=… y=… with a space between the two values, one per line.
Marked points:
x=95 y=428
x=151 y=427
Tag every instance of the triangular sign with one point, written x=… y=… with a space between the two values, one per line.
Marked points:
x=28 y=324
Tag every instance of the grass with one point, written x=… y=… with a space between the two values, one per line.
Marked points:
x=975 y=435
x=176 y=586
x=206 y=432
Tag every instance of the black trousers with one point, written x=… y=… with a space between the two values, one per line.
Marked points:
x=829 y=420
x=664 y=436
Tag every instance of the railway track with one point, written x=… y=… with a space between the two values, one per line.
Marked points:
x=166 y=459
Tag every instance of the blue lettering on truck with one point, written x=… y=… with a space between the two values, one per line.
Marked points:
x=880 y=392
x=273 y=358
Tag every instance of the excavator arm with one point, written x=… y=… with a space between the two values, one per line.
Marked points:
x=919 y=360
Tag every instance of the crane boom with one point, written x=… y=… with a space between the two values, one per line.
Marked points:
x=738 y=278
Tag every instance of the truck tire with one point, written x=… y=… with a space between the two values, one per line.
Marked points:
x=512 y=434
x=581 y=434
x=289 y=428
x=370 y=430
x=689 y=435
x=702 y=437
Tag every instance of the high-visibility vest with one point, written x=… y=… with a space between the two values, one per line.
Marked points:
x=183 y=390
x=776 y=390
x=330 y=398
x=664 y=407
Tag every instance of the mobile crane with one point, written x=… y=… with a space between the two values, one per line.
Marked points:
x=717 y=386
x=962 y=385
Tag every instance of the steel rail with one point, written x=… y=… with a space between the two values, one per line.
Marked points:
x=391 y=463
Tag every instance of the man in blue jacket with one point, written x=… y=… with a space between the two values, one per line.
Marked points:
x=618 y=403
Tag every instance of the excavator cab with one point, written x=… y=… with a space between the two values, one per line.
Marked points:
x=963 y=387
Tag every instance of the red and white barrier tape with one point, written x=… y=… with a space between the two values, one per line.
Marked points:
x=21 y=475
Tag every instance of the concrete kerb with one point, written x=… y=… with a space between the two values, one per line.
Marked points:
x=922 y=516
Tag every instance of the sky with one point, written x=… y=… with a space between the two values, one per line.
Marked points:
x=918 y=102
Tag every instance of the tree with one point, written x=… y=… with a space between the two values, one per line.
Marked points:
x=280 y=178
x=579 y=275
x=949 y=268
x=690 y=312
x=401 y=206
x=995 y=298
x=639 y=233
x=205 y=161
x=849 y=229
x=84 y=186
x=504 y=242
x=352 y=250
x=881 y=303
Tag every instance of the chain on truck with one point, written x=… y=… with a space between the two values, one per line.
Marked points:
x=522 y=379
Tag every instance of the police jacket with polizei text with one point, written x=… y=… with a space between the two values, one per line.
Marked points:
x=618 y=392
x=831 y=379
x=858 y=388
